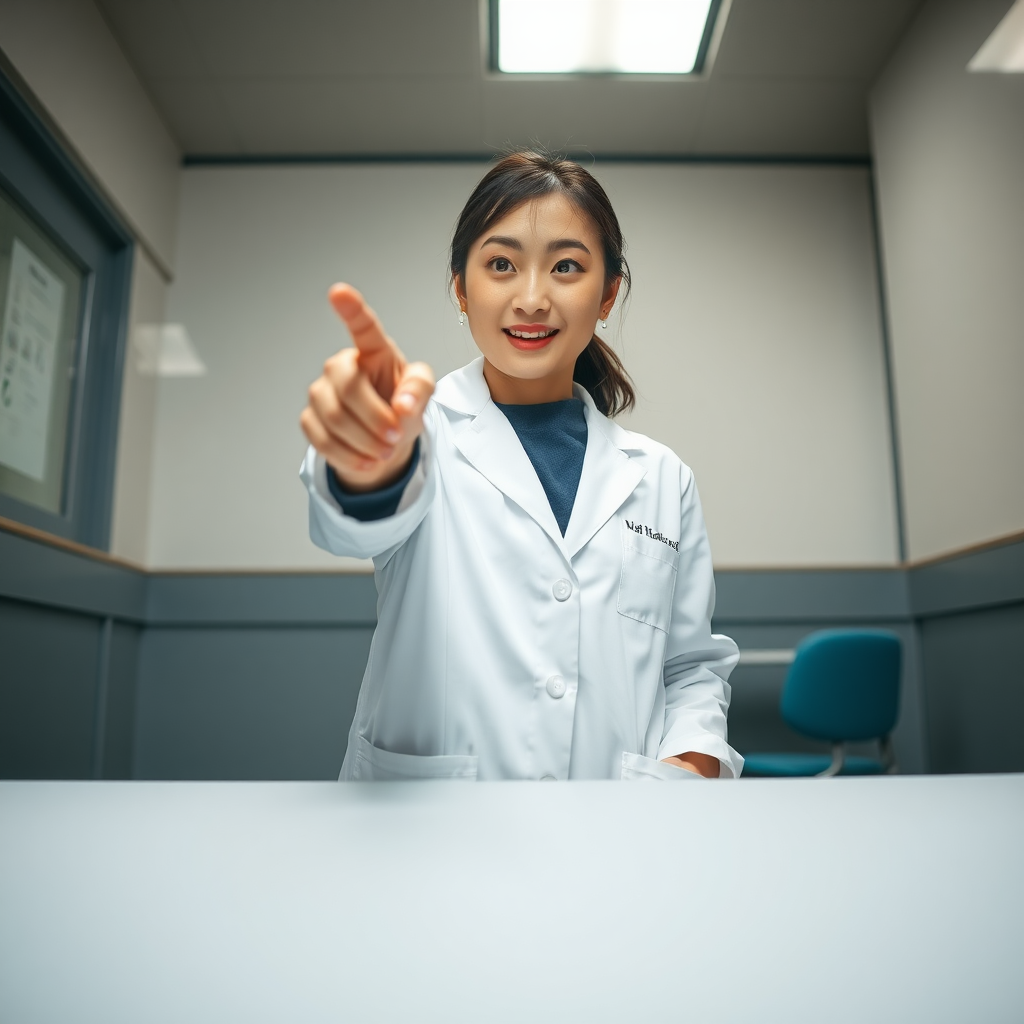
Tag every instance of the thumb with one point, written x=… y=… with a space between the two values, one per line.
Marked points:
x=413 y=391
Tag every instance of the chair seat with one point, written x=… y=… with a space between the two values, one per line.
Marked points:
x=803 y=765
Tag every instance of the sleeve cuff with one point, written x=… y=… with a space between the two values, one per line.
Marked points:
x=372 y=505
x=706 y=743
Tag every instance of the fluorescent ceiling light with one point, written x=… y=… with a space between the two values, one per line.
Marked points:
x=647 y=37
x=1004 y=49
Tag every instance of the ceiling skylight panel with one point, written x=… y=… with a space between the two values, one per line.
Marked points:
x=653 y=37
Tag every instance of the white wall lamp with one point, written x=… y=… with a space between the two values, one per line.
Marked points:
x=1004 y=49
x=165 y=350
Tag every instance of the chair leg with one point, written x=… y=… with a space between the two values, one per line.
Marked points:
x=838 y=760
x=888 y=755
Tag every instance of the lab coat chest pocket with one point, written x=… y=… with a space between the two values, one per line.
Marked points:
x=372 y=764
x=648 y=580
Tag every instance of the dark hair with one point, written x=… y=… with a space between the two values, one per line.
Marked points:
x=517 y=179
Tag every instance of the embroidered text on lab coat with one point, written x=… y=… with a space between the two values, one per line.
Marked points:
x=646 y=531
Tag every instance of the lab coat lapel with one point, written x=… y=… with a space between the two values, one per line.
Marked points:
x=493 y=448
x=609 y=477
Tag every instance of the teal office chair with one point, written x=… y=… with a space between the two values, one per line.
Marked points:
x=843 y=686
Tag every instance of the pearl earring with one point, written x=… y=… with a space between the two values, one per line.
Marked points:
x=604 y=324
x=462 y=318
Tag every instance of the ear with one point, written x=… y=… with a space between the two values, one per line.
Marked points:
x=460 y=291
x=610 y=294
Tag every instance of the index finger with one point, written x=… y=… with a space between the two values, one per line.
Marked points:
x=361 y=321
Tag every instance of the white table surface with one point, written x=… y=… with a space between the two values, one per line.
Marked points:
x=893 y=899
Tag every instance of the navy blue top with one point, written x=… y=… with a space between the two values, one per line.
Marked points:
x=554 y=436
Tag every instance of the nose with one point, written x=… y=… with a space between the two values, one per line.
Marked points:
x=532 y=298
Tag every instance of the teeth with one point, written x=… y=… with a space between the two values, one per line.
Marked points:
x=531 y=337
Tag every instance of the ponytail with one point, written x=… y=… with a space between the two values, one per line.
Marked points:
x=600 y=370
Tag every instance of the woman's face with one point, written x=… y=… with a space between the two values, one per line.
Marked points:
x=533 y=292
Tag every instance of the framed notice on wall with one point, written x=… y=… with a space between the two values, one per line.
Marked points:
x=65 y=265
x=31 y=326
x=40 y=303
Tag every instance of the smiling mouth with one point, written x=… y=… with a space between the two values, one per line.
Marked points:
x=531 y=335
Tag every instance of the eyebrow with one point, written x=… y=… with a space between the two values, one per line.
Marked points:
x=567 y=243
x=505 y=240
x=514 y=243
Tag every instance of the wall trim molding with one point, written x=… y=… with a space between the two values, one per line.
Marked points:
x=38 y=568
x=970 y=549
x=984 y=577
x=54 y=575
x=62 y=543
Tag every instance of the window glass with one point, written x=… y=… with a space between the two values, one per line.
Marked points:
x=41 y=293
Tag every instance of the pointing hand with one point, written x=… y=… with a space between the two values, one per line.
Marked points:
x=366 y=410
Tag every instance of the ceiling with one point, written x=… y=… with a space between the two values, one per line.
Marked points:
x=238 y=78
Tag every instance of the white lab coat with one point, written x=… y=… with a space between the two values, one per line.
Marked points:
x=504 y=650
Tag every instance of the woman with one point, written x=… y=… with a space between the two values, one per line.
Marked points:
x=544 y=576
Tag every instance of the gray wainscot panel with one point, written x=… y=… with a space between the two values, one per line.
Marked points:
x=109 y=671
x=115 y=747
x=48 y=692
x=252 y=599
x=827 y=596
x=247 y=702
x=251 y=676
x=971 y=612
x=69 y=629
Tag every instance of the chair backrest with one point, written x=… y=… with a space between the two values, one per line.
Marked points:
x=844 y=684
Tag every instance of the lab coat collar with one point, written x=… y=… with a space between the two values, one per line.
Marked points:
x=491 y=445
x=464 y=391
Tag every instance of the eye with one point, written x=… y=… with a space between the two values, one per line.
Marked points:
x=501 y=265
x=566 y=266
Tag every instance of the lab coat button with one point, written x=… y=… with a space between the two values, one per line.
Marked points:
x=562 y=589
x=548 y=778
x=556 y=687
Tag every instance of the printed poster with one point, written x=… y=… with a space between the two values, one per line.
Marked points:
x=28 y=353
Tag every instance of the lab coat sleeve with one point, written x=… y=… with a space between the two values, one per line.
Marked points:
x=331 y=529
x=697 y=662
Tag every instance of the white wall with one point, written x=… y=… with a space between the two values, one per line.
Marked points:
x=74 y=67
x=949 y=158
x=129 y=532
x=753 y=335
